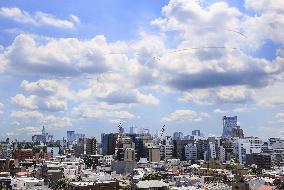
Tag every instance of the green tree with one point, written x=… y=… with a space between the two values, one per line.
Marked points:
x=88 y=162
x=36 y=149
x=152 y=176
x=60 y=184
x=3 y=187
x=79 y=178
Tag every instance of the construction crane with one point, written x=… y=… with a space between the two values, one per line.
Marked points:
x=162 y=134
x=118 y=139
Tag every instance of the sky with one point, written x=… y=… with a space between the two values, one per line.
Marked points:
x=181 y=63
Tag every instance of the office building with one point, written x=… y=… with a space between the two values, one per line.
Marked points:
x=71 y=136
x=196 y=133
x=108 y=143
x=228 y=124
x=91 y=146
x=191 y=151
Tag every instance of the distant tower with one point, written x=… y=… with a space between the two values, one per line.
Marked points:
x=228 y=124
x=43 y=130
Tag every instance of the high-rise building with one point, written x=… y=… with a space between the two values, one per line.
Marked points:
x=43 y=137
x=126 y=149
x=91 y=146
x=166 y=148
x=248 y=145
x=79 y=136
x=196 y=133
x=238 y=132
x=228 y=124
x=79 y=148
x=262 y=160
x=108 y=143
x=179 y=147
x=129 y=154
x=6 y=150
x=178 y=136
x=71 y=136
x=191 y=152
x=154 y=154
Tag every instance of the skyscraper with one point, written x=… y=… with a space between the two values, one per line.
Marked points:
x=71 y=136
x=196 y=133
x=108 y=143
x=91 y=146
x=228 y=124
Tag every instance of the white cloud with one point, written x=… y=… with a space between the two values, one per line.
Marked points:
x=58 y=57
x=242 y=109
x=268 y=19
x=47 y=88
x=219 y=111
x=1 y=108
x=270 y=96
x=280 y=117
x=129 y=97
x=27 y=115
x=103 y=111
x=75 y=19
x=50 y=121
x=236 y=94
x=24 y=130
x=185 y=115
x=35 y=102
x=38 y=18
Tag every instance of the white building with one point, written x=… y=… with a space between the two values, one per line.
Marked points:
x=191 y=152
x=108 y=159
x=167 y=151
x=7 y=150
x=166 y=148
x=212 y=150
x=222 y=154
x=248 y=145
x=25 y=183
x=54 y=151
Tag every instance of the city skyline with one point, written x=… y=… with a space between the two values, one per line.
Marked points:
x=184 y=64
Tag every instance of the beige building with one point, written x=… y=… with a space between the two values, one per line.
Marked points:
x=154 y=154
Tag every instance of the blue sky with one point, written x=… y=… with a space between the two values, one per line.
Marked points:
x=86 y=66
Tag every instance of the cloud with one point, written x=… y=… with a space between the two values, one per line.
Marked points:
x=50 y=121
x=24 y=130
x=34 y=102
x=185 y=115
x=219 y=111
x=280 y=117
x=38 y=18
x=56 y=57
x=1 y=108
x=241 y=109
x=197 y=64
x=270 y=96
x=236 y=94
x=129 y=97
x=27 y=115
x=44 y=87
x=268 y=19
x=101 y=110
x=197 y=23
x=232 y=70
x=75 y=19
